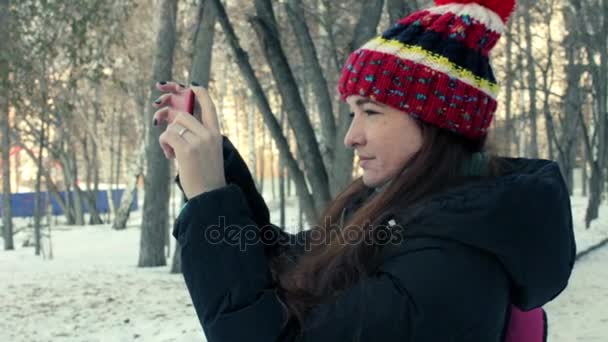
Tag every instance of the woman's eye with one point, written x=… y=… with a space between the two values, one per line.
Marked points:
x=368 y=112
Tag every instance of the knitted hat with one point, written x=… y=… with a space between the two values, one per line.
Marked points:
x=434 y=64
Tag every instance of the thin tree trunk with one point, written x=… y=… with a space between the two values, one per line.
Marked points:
x=272 y=172
x=531 y=78
x=248 y=74
x=91 y=193
x=585 y=176
x=251 y=128
x=7 y=214
x=398 y=9
x=314 y=78
x=203 y=43
x=118 y=158
x=156 y=181
x=113 y=142
x=201 y=73
x=37 y=198
x=76 y=193
x=262 y=159
x=128 y=196
x=508 y=127
x=282 y=177
x=266 y=29
x=367 y=26
x=94 y=216
x=520 y=131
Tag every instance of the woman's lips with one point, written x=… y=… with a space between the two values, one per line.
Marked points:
x=364 y=161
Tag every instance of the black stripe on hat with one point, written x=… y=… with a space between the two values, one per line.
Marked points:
x=456 y=51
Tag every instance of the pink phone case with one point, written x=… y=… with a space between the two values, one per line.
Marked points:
x=184 y=102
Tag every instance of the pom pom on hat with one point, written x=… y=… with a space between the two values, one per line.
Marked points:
x=504 y=8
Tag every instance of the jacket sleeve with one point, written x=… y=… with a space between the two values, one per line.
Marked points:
x=237 y=173
x=424 y=288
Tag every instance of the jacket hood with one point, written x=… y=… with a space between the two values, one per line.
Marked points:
x=522 y=218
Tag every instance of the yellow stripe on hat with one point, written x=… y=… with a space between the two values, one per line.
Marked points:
x=432 y=60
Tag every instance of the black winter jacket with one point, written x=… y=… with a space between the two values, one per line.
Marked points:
x=467 y=254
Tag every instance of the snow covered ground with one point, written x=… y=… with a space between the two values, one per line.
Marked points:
x=93 y=291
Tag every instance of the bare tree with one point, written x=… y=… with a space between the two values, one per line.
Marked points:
x=586 y=19
x=7 y=216
x=531 y=79
x=156 y=181
x=200 y=72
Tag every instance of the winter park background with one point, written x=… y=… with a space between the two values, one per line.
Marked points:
x=76 y=87
x=93 y=291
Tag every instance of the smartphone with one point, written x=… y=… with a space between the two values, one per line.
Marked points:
x=184 y=101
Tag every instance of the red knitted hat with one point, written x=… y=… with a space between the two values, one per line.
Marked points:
x=434 y=64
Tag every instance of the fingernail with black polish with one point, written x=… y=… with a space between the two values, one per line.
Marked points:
x=196 y=84
x=155 y=122
x=181 y=85
x=162 y=82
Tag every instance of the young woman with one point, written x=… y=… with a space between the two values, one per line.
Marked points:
x=437 y=241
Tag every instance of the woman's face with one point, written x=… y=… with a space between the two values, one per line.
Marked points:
x=384 y=138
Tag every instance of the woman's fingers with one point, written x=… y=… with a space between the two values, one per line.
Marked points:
x=171 y=116
x=170 y=141
x=209 y=114
x=170 y=87
x=163 y=100
x=190 y=123
x=164 y=115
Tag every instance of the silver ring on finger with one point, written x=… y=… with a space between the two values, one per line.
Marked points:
x=182 y=132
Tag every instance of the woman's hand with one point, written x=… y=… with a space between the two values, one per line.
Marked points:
x=196 y=145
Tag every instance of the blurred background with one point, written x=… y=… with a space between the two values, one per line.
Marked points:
x=88 y=198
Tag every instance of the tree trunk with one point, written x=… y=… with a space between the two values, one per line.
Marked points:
x=572 y=108
x=94 y=216
x=367 y=26
x=508 y=126
x=91 y=193
x=248 y=74
x=77 y=197
x=262 y=160
x=272 y=175
x=113 y=177
x=118 y=160
x=156 y=181
x=7 y=215
x=398 y=9
x=531 y=78
x=584 y=175
x=251 y=128
x=314 y=79
x=128 y=197
x=37 y=198
x=282 y=177
x=266 y=29
x=343 y=163
x=201 y=73
x=594 y=45
x=203 y=43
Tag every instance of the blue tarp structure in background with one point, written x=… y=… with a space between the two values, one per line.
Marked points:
x=23 y=203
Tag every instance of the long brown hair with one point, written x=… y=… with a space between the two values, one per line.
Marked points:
x=330 y=267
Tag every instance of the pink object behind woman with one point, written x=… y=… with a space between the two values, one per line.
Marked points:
x=527 y=326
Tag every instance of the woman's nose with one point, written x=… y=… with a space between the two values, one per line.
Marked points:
x=355 y=135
